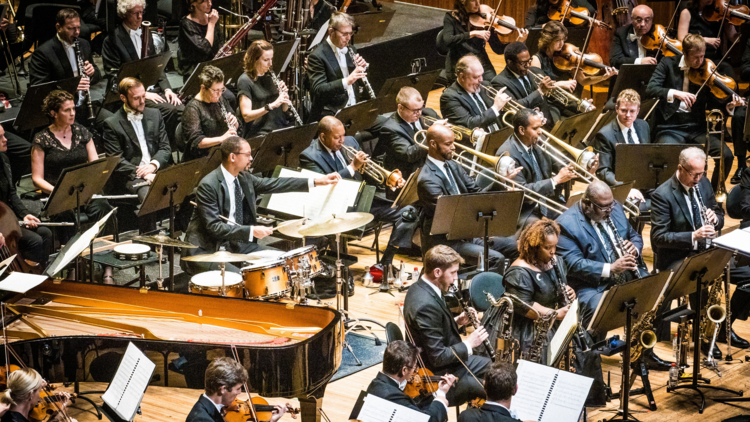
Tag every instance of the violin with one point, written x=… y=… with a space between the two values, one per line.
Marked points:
x=50 y=404
x=720 y=9
x=239 y=410
x=4 y=375
x=504 y=26
x=562 y=10
x=569 y=57
x=422 y=383
x=721 y=86
x=657 y=39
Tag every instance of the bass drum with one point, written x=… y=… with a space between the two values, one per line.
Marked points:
x=266 y=279
x=209 y=283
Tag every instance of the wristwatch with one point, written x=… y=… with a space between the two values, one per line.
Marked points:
x=267 y=107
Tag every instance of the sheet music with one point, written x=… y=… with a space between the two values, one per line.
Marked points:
x=376 y=409
x=549 y=394
x=738 y=240
x=534 y=383
x=567 y=326
x=126 y=390
x=567 y=398
x=320 y=201
x=21 y=283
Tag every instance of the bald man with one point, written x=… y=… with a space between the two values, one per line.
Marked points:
x=626 y=47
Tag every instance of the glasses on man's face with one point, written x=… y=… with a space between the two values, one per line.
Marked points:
x=416 y=111
x=693 y=175
x=524 y=63
x=606 y=208
x=344 y=34
x=249 y=154
x=642 y=20
x=133 y=12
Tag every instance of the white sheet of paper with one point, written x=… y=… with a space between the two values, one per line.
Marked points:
x=534 y=382
x=126 y=390
x=376 y=409
x=567 y=398
x=21 y=283
x=737 y=240
x=320 y=201
x=322 y=32
x=570 y=322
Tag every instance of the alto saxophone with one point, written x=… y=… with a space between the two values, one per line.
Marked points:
x=713 y=314
x=542 y=326
x=291 y=107
x=510 y=348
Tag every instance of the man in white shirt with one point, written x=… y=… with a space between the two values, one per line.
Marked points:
x=501 y=384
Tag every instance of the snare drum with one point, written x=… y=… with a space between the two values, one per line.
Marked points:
x=297 y=259
x=132 y=252
x=209 y=283
x=266 y=279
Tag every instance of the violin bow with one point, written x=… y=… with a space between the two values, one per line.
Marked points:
x=494 y=16
x=420 y=362
x=585 y=46
x=244 y=384
x=666 y=31
x=716 y=68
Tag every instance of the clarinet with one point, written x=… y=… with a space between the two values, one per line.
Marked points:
x=621 y=246
x=474 y=321
x=225 y=115
x=86 y=95
x=291 y=107
x=704 y=213
x=568 y=298
x=370 y=92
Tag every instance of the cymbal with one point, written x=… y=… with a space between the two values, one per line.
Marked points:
x=291 y=228
x=164 y=240
x=337 y=224
x=220 y=256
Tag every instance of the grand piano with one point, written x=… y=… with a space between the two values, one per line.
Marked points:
x=76 y=332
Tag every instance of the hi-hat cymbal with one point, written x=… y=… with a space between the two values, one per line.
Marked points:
x=219 y=256
x=164 y=240
x=337 y=224
x=291 y=228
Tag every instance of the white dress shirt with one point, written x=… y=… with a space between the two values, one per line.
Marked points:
x=135 y=37
x=218 y=406
x=641 y=50
x=686 y=195
x=493 y=403
x=340 y=157
x=440 y=294
x=71 y=55
x=624 y=129
x=341 y=58
x=136 y=119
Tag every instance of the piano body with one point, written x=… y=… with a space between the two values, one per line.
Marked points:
x=66 y=331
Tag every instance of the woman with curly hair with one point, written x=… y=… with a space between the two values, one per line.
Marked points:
x=532 y=279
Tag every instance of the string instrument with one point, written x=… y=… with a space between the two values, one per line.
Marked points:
x=239 y=411
x=720 y=9
x=47 y=408
x=503 y=26
x=562 y=10
x=621 y=11
x=570 y=56
x=422 y=383
x=11 y=230
x=657 y=39
x=721 y=86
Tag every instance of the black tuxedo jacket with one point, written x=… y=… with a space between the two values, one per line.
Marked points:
x=8 y=194
x=457 y=106
x=208 y=231
x=606 y=140
x=316 y=158
x=49 y=62
x=623 y=50
x=434 y=330
x=120 y=138
x=204 y=411
x=486 y=413
x=386 y=388
x=326 y=86
x=583 y=252
x=402 y=152
x=118 y=48
x=671 y=227
x=515 y=89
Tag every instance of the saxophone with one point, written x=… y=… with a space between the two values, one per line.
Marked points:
x=643 y=332
x=505 y=330
x=541 y=328
x=713 y=313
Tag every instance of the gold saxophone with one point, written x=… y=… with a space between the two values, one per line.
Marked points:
x=643 y=331
x=713 y=313
x=541 y=328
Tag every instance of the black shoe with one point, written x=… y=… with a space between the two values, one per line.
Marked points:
x=737 y=176
x=704 y=348
x=737 y=341
x=654 y=362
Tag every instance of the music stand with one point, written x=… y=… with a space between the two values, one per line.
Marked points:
x=574 y=128
x=633 y=76
x=75 y=246
x=230 y=65
x=408 y=194
x=649 y=165
x=422 y=82
x=473 y=215
x=30 y=114
x=171 y=186
x=689 y=278
x=282 y=54
x=358 y=117
x=370 y=25
x=616 y=309
x=283 y=148
x=147 y=70
x=493 y=141
x=601 y=121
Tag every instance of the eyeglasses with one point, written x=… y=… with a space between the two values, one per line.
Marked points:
x=344 y=34
x=524 y=63
x=417 y=111
x=133 y=12
x=642 y=20
x=694 y=176
x=607 y=208
x=217 y=91
x=249 y=154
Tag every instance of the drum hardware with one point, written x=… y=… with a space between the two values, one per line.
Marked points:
x=161 y=240
x=266 y=279
x=221 y=257
x=132 y=252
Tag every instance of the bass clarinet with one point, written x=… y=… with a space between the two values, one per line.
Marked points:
x=85 y=95
x=291 y=107
x=370 y=92
x=472 y=317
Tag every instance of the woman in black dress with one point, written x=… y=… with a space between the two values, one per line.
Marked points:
x=532 y=279
x=691 y=22
x=263 y=105
x=536 y=16
x=199 y=37
x=207 y=120
x=320 y=13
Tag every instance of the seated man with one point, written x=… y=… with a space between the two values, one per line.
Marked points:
x=224 y=380
x=500 y=384
x=466 y=102
x=626 y=46
x=231 y=224
x=326 y=155
x=399 y=365
x=435 y=331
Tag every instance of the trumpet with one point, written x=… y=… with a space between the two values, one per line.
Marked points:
x=460 y=132
x=564 y=97
x=500 y=179
x=392 y=179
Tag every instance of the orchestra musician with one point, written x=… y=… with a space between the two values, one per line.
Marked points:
x=335 y=78
x=681 y=114
x=522 y=86
x=500 y=384
x=536 y=16
x=199 y=37
x=400 y=364
x=680 y=227
x=326 y=155
x=263 y=104
x=223 y=383
x=738 y=123
x=124 y=44
x=35 y=243
x=320 y=13
x=47 y=66
x=692 y=22
x=208 y=119
x=441 y=175
x=465 y=103
x=626 y=47
x=24 y=386
x=435 y=331
x=230 y=192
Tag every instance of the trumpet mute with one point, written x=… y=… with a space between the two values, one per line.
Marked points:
x=506 y=165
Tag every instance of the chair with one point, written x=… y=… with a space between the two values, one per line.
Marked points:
x=734 y=202
x=392 y=333
x=179 y=142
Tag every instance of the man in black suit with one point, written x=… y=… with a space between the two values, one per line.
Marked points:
x=679 y=230
x=466 y=103
x=230 y=192
x=124 y=44
x=435 y=331
x=501 y=384
x=441 y=175
x=335 y=78
x=55 y=60
x=537 y=168
x=399 y=365
x=326 y=155
x=681 y=116
x=626 y=47
x=224 y=380
x=522 y=85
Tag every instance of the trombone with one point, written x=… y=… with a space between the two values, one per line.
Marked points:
x=716 y=118
x=564 y=97
x=460 y=132
x=501 y=180
x=392 y=179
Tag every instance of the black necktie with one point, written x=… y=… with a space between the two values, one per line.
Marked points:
x=526 y=84
x=413 y=128
x=337 y=163
x=238 y=218
x=609 y=246
x=535 y=166
x=453 y=187
x=630 y=136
